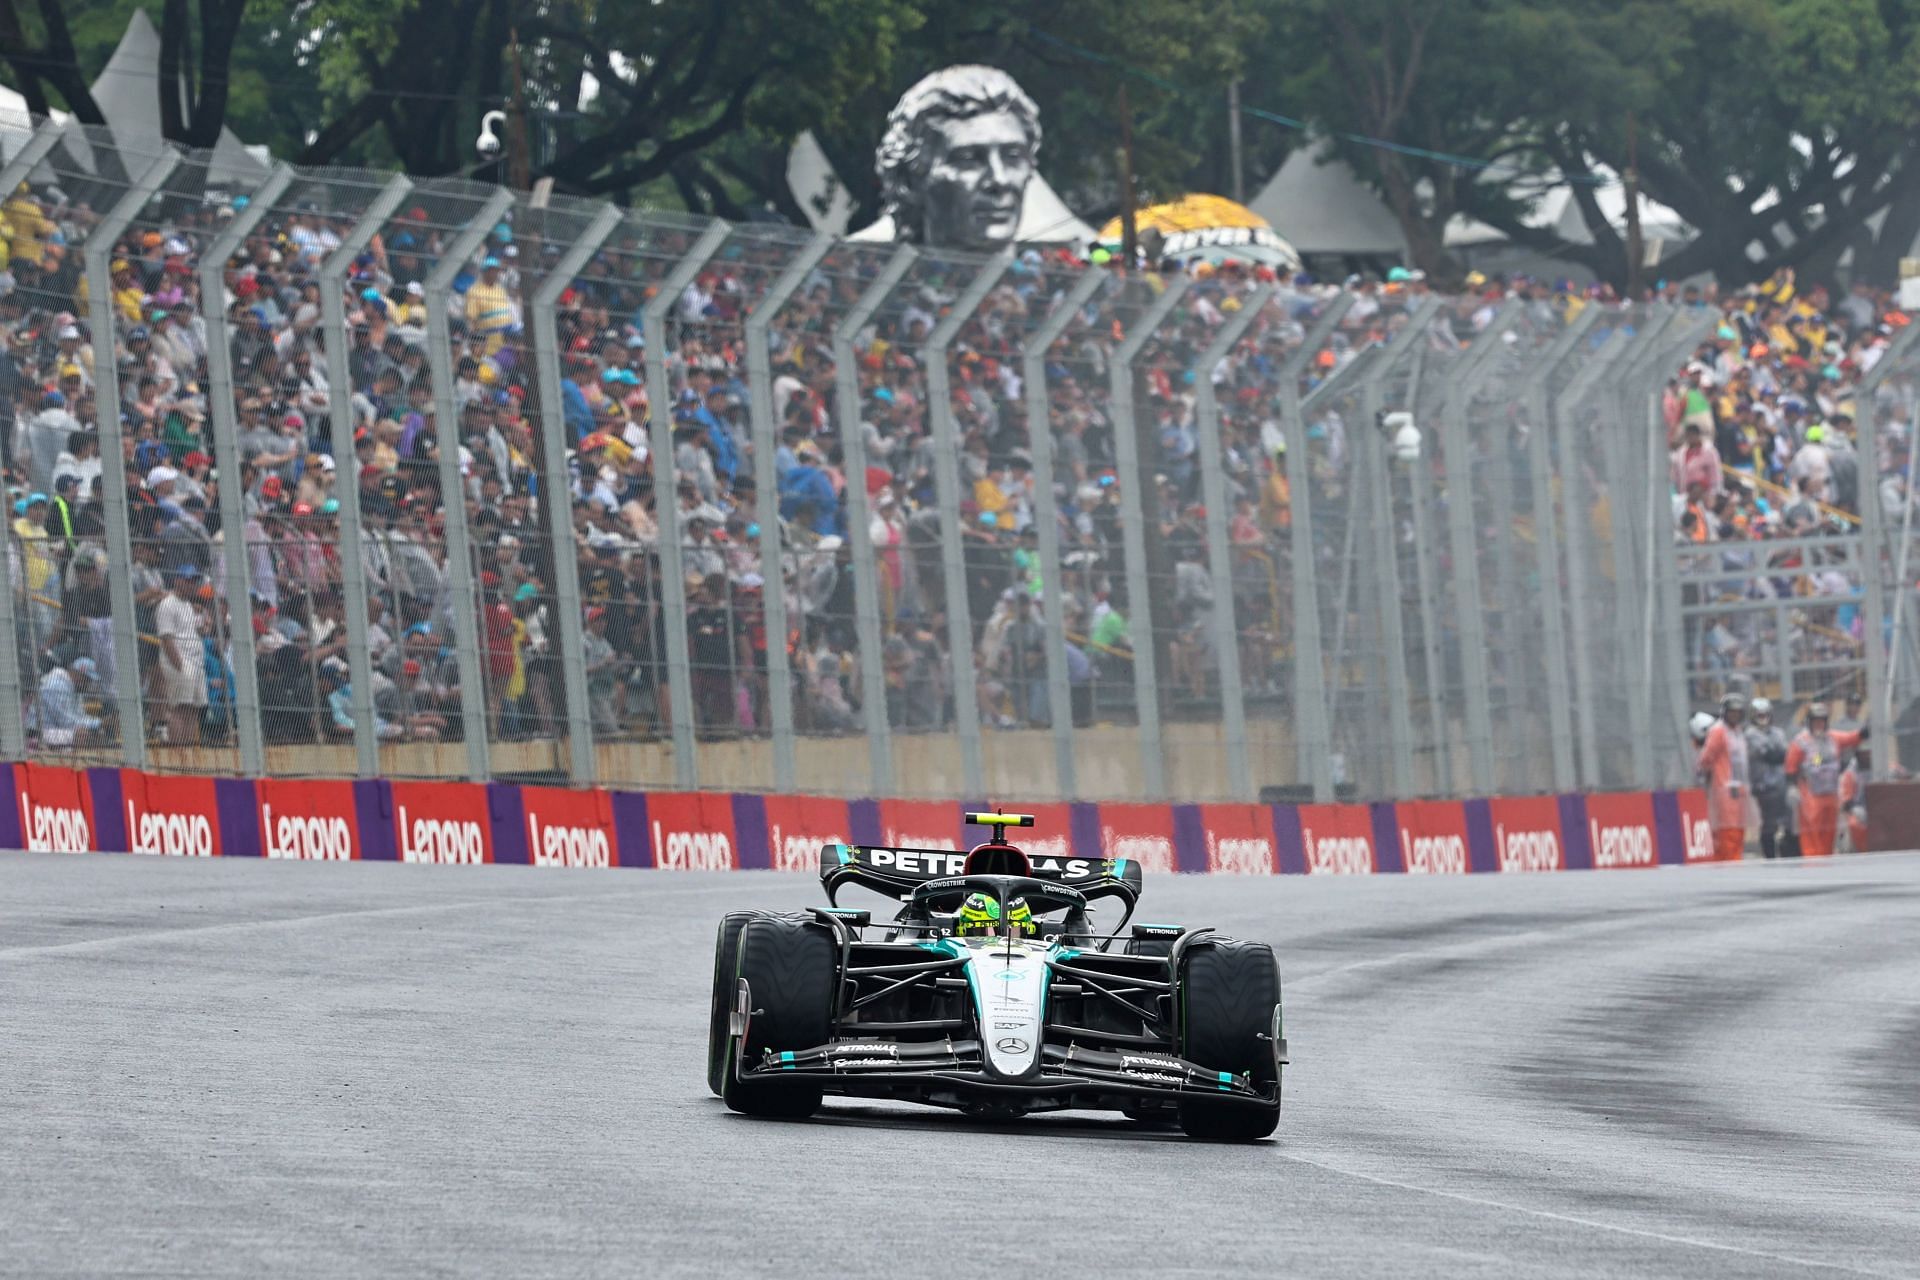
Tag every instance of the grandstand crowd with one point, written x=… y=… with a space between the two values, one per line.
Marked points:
x=1761 y=432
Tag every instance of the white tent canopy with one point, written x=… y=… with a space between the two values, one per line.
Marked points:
x=1319 y=205
x=125 y=94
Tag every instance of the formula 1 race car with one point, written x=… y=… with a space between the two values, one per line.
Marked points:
x=993 y=991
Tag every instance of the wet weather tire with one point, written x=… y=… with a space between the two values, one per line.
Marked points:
x=726 y=948
x=1228 y=991
x=789 y=969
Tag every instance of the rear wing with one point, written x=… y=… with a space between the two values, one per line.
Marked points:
x=896 y=872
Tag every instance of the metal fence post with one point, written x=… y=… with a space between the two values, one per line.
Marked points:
x=1134 y=471
x=866 y=577
x=1664 y=590
x=946 y=481
x=1213 y=492
x=13 y=694
x=1457 y=442
x=1047 y=517
x=1432 y=655
x=1873 y=539
x=1312 y=734
x=1386 y=559
x=1576 y=542
x=458 y=539
x=556 y=507
x=766 y=481
x=113 y=476
x=353 y=556
x=1534 y=394
x=226 y=455
x=666 y=500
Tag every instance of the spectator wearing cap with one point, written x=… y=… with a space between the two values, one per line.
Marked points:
x=40 y=567
x=62 y=717
x=181 y=674
x=44 y=436
x=489 y=308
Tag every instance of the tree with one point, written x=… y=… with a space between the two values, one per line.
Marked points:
x=1778 y=129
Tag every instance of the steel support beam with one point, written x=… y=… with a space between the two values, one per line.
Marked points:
x=113 y=474
x=461 y=578
x=353 y=556
x=1539 y=411
x=1040 y=443
x=1134 y=471
x=766 y=481
x=13 y=693
x=866 y=577
x=1213 y=492
x=556 y=506
x=248 y=713
x=1313 y=736
x=946 y=483
x=666 y=500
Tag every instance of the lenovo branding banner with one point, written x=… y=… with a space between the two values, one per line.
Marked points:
x=1142 y=832
x=310 y=821
x=691 y=831
x=798 y=825
x=920 y=824
x=1432 y=836
x=1336 y=839
x=1620 y=831
x=124 y=810
x=1238 y=839
x=54 y=808
x=1526 y=834
x=566 y=828
x=1696 y=835
x=171 y=816
x=441 y=822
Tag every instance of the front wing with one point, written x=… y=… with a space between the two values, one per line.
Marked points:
x=955 y=1073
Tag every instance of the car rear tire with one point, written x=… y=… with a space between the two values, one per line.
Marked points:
x=1228 y=991
x=726 y=949
x=789 y=969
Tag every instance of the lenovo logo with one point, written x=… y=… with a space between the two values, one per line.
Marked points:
x=692 y=850
x=1153 y=853
x=1245 y=856
x=1526 y=850
x=51 y=829
x=1341 y=855
x=797 y=852
x=312 y=839
x=439 y=841
x=1620 y=846
x=173 y=835
x=1433 y=855
x=1698 y=838
x=558 y=846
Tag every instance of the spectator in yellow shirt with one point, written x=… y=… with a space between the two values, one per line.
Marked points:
x=489 y=309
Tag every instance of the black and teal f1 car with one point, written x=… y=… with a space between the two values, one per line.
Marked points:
x=1040 y=1009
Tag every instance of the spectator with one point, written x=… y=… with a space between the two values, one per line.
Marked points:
x=63 y=718
x=181 y=675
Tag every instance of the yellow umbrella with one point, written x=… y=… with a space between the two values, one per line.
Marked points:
x=1209 y=227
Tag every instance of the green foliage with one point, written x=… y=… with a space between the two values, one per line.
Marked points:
x=1776 y=127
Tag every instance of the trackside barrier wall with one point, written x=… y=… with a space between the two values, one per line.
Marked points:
x=118 y=810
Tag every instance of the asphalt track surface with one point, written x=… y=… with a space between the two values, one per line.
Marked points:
x=248 y=1068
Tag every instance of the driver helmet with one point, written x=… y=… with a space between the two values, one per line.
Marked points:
x=979 y=917
x=1699 y=725
x=1762 y=709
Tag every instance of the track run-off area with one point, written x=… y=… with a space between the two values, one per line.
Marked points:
x=237 y=1068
